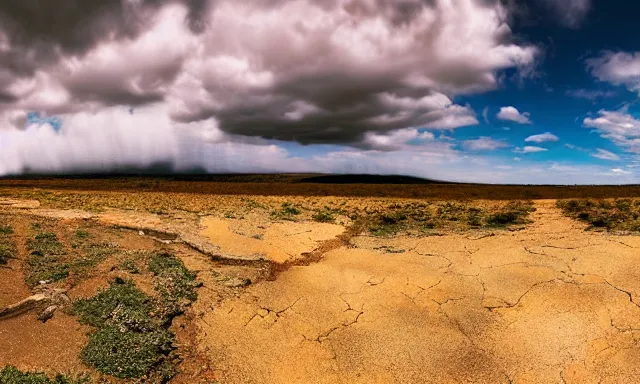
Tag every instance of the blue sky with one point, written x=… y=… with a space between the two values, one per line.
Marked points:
x=511 y=91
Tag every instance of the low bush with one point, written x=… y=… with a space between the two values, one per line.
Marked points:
x=618 y=214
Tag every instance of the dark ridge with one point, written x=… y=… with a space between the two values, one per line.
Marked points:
x=369 y=179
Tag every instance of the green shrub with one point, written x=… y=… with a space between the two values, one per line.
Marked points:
x=286 y=212
x=324 y=217
x=12 y=375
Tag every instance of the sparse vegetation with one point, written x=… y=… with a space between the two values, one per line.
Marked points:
x=132 y=338
x=618 y=214
x=286 y=212
x=514 y=213
x=130 y=266
x=46 y=261
x=50 y=261
x=175 y=284
x=7 y=245
x=12 y=375
x=92 y=255
x=424 y=217
x=327 y=214
x=128 y=341
x=6 y=253
x=252 y=204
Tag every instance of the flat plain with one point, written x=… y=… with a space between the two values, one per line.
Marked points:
x=268 y=279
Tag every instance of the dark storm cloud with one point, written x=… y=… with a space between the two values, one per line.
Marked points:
x=77 y=25
x=313 y=72
x=310 y=71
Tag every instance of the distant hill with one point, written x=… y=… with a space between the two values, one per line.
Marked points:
x=367 y=179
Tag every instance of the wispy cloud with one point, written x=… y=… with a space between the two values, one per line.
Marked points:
x=570 y=13
x=542 y=138
x=529 y=149
x=576 y=148
x=590 y=94
x=621 y=171
x=617 y=68
x=483 y=144
x=605 y=155
x=485 y=115
x=618 y=126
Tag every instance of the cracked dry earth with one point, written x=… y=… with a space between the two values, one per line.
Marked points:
x=547 y=304
x=551 y=303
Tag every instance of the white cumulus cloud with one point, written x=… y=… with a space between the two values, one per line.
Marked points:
x=512 y=114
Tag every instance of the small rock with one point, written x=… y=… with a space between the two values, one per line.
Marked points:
x=47 y=313
x=141 y=233
x=237 y=282
x=44 y=282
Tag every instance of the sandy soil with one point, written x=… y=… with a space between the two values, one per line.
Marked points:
x=278 y=242
x=551 y=303
x=547 y=304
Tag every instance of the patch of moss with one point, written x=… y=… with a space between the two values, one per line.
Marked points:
x=6 y=253
x=82 y=234
x=175 y=284
x=132 y=337
x=45 y=243
x=130 y=266
x=12 y=375
x=122 y=302
x=46 y=261
x=6 y=230
x=129 y=341
x=49 y=260
x=126 y=354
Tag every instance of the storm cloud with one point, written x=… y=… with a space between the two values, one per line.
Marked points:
x=359 y=73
